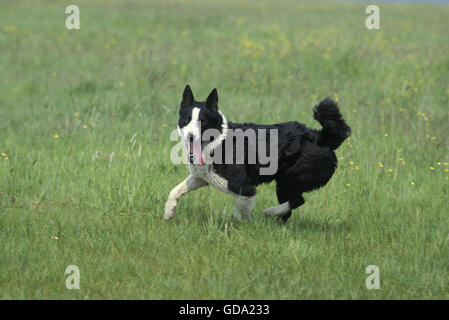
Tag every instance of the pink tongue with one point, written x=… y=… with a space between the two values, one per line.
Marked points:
x=195 y=147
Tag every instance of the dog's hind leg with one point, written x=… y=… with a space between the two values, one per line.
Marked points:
x=288 y=200
x=283 y=195
x=279 y=211
x=243 y=207
x=189 y=184
x=294 y=203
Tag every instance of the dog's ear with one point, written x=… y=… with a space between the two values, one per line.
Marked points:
x=187 y=97
x=212 y=100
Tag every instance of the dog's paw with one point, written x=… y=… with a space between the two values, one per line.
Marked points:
x=277 y=211
x=242 y=218
x=237 y=216
x=170 y=209
x=169 y=215
x=268 y=212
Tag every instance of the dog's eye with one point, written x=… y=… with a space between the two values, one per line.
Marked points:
x=186 y=120
x=203 y=122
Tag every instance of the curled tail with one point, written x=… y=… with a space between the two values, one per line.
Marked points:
x=335 y=130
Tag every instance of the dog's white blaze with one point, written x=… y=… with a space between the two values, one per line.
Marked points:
x=193 y=127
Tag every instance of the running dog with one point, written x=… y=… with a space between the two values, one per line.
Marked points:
x=305 y=157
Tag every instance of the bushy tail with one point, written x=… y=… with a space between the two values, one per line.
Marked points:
x=335 y=130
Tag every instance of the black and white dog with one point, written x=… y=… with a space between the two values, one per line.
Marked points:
x=304 y=157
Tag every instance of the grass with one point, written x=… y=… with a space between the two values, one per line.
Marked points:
x=72 y=100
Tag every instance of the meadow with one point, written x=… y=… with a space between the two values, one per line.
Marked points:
x=85 y=123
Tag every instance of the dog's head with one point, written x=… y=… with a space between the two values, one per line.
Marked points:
x=197 y=118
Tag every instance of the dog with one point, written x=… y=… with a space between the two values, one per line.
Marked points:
x=305 y=157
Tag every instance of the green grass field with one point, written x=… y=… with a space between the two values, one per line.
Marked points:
x=71 y=100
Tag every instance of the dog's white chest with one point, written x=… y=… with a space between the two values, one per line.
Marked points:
x=207 y=173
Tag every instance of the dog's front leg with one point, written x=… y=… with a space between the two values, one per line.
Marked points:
x=189 y=184
x=243 y=207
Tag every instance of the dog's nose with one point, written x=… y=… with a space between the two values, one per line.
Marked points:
x=189 y=137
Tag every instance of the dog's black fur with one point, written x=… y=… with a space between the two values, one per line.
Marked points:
x=306 y=158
